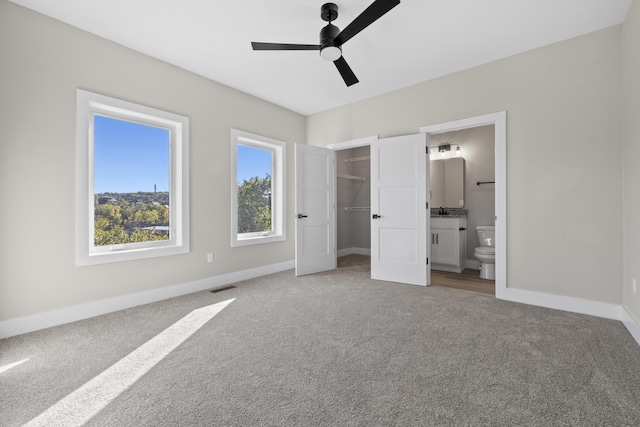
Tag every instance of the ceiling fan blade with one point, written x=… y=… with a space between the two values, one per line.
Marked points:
x=366 y=18
x=345 y=71
x=283 y=46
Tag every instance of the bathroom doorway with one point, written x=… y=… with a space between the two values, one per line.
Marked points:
x=462 y=192
x=480 y=190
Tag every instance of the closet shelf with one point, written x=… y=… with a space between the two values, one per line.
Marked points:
x=357 y=208
x=357 y=159
x=355 y=178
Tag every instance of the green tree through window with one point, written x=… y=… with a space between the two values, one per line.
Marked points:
x=254 y=205
x=123 y=218
x=257 y=189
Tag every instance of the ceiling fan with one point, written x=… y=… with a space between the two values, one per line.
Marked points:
x=332 y=39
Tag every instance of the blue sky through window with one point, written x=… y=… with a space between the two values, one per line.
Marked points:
x=253 y=162
x=132 y=157
x=129 y=157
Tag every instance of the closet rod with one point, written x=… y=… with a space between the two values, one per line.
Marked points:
x=345 y=176
x=486 y=182
x=357 y=159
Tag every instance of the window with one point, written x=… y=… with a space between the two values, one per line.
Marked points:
x=132 y=186
x=257 y=189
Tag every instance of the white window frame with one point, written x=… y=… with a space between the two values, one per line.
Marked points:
x=90 y=104
x=278 y=225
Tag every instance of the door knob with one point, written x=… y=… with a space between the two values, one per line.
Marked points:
x=302 y=216
x=376 y=216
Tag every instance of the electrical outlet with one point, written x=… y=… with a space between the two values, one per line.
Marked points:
x=210 y=257
x=634 y=285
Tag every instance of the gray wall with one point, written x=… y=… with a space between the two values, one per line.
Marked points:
x=43 y=62
x=631 y=156
x=564 y=192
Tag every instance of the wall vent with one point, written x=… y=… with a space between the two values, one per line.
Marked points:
x=226 y=288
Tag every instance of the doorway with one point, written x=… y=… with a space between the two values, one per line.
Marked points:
x=499 y=121
x=353 y=201
x=463 y=185
x=398 y=223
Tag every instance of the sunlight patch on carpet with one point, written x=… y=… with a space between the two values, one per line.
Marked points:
x=11 y=365
x=82 y=404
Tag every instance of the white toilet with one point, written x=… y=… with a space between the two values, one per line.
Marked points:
x=486 y=252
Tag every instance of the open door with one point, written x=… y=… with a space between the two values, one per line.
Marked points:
x=400 y=214
x=315 y=210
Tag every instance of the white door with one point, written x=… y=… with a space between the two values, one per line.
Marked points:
x=315 y=212
x=400 y=220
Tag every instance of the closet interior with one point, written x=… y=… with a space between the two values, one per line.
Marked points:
x=353 y=173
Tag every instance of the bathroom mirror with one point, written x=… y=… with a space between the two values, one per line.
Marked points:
x=447 y=183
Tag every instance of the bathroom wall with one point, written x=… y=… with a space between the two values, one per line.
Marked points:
x=354 y=226
x=477 y=149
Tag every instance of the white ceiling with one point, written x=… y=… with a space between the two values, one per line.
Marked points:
x=416 y=41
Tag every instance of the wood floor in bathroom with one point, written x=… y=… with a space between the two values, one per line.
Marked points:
x=468 y=280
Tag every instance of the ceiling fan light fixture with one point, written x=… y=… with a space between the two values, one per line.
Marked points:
x=332 y=39
x=331 y=53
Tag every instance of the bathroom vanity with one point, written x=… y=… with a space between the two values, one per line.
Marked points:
x=448 y=243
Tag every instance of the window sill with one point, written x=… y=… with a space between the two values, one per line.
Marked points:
x=128 y=255
x=257 y=240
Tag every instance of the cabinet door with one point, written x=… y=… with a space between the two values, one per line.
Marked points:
x=434 y=247
x=446 y=247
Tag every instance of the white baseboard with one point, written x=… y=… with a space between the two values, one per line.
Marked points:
x=574 y=305
x=23 y=325
x=354 y=251
x=559 y=302
x=631 y=324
